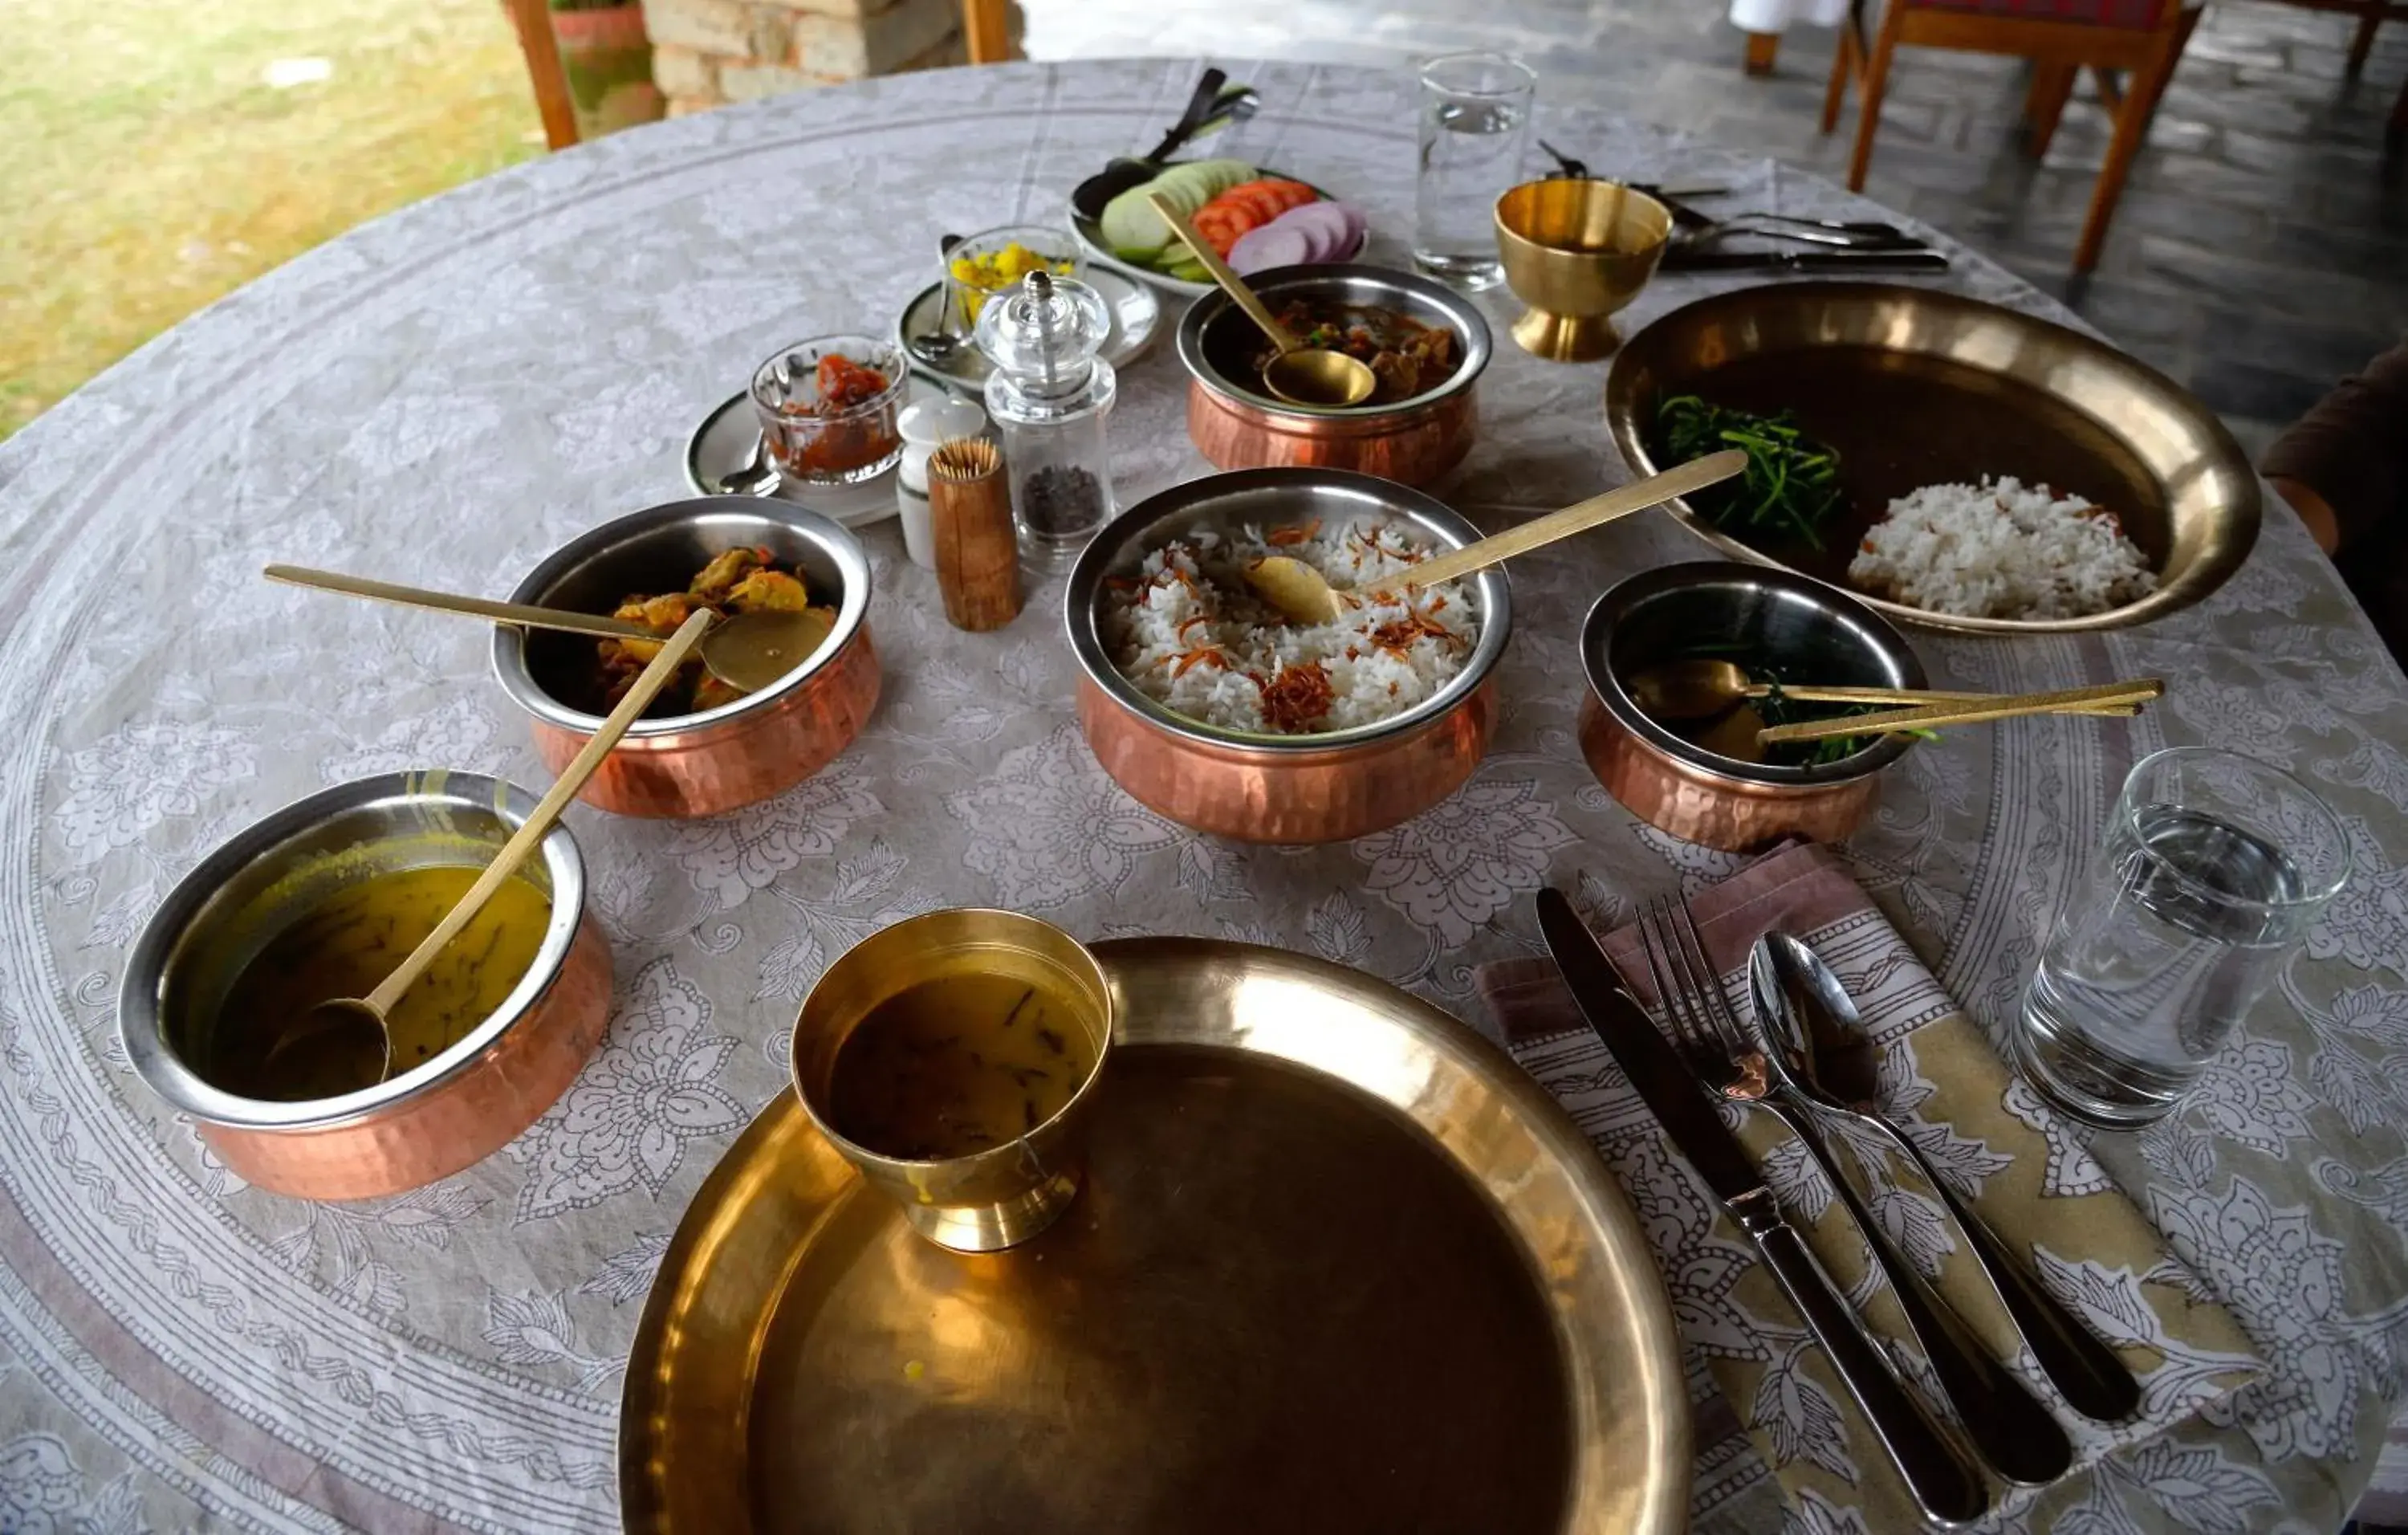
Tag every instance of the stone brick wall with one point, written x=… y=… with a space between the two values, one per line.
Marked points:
x=705 y=52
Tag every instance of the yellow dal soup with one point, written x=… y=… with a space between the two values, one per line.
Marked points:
x=351 y=941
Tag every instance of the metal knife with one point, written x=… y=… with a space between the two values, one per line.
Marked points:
x=1677 y=260
x=1943 y=1482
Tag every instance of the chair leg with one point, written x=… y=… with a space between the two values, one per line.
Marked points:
x=2051 y=84
x=1763 y=51
x=2364 y=44
x=2131 y=126
x=1844 y=63
x=1876 y=80
x=533 y=19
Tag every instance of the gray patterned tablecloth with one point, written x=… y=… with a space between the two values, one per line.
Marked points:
x=448 y=392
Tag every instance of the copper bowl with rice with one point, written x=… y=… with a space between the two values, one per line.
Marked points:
x=1256 y=786
x=716 y=759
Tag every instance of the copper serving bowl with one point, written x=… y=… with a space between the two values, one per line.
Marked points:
x=716 y=759
x=1290 y=789
x=1813 y=631
x=1238 y=425
x=423 y=1124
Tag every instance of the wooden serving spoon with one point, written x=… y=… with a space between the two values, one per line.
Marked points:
x=1306 y=597
x=748 y=651
x=1299 y=374
x=349 y=1038
x=1701 y=687
x=2140 y=690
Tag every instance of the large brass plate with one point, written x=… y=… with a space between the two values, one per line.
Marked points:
x=1915 y=387
x=1339 y=1265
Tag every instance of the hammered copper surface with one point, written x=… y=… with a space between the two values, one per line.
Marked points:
x=1002 y=1197
x=735 y=762
x=1914 y=386
x=1303 y=1290
x=1411 y=446
x=1296 y=796
x=1709 y=809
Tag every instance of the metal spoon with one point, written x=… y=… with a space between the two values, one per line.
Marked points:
x=349 y=1038
x=756 y=476
x=1298 y=374
x=1305 y=596
x=1090 y=197
x=1833 y=1064
x=1701 y=687
x=939 y=347
x=2006 y=1423
x=749 y=652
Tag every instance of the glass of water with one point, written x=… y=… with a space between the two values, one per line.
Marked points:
x=2212 y=868
x=1475 y=120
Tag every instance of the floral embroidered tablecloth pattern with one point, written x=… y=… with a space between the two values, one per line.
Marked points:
x=447 y=393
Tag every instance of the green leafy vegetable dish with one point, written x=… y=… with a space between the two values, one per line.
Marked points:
x=1792 y=483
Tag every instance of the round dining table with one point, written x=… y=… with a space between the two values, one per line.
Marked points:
x=445 y=394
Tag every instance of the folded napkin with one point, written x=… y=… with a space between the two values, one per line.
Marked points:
x=2028 y=1174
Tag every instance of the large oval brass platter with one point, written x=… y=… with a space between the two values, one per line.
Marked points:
x=1338 y=1265
x=1914 y=387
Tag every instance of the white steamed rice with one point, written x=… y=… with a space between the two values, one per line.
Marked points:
x=2000 y=550
x=1191 y=635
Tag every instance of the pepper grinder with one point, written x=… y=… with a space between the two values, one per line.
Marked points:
x=1049 y=394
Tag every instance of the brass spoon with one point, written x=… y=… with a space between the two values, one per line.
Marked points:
x=353 y=1035
x=1305 y=596
x=2003 y=706
x=1300 y=375
x=1699 y=688
x=748 y=651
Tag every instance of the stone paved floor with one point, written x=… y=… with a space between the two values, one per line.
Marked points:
x=2260 y=249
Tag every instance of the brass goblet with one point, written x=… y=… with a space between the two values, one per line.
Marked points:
x=1576 y=252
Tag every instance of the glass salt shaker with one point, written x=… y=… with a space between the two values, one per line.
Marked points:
x=1048 y=396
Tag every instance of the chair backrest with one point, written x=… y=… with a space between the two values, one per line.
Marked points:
x=2136 y=15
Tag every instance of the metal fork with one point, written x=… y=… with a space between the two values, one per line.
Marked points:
x=2008 y=1427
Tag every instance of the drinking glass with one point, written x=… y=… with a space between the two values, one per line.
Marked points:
x=1475 y=118
x=2212 y=869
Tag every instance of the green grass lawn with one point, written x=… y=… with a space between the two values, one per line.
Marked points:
x=145 y=167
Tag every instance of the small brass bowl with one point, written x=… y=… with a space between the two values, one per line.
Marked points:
x=997 y=1198
x=1576 y=252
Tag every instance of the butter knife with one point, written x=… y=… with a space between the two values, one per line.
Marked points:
x=1943 y=1482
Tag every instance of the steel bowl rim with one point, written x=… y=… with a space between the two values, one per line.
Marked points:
x=1083 y=595
x=2194 y=584
x=1469 y=323
x=1618 y=601
x=834 y=539
x=141 y=1028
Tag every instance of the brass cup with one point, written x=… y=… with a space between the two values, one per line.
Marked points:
x=1002 y=1197
x=1576 y=252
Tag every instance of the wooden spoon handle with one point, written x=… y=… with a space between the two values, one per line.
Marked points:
x=1231 y=283
x=538 y=824
x=1638 y=495
x=1932 y=716
x=448 y=602
x=1903 y=696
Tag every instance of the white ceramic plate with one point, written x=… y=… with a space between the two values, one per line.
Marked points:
x=1091 y=239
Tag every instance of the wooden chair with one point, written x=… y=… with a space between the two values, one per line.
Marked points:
x=2061 y=37
x=533 y=21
